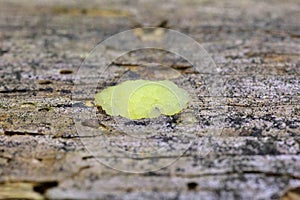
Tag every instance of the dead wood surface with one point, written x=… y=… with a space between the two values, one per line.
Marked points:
x=254 y=152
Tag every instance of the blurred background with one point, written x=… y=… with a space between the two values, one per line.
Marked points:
x=255 y=45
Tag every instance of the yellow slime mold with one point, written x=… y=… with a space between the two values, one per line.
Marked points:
x=137 y=99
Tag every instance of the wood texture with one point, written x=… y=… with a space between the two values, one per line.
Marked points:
x=254 y=152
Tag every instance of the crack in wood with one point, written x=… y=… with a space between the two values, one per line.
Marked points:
x=12 y=133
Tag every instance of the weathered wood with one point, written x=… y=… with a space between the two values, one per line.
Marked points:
x=253 y=153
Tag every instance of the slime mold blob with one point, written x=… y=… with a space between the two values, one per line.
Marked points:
x=138 y=99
